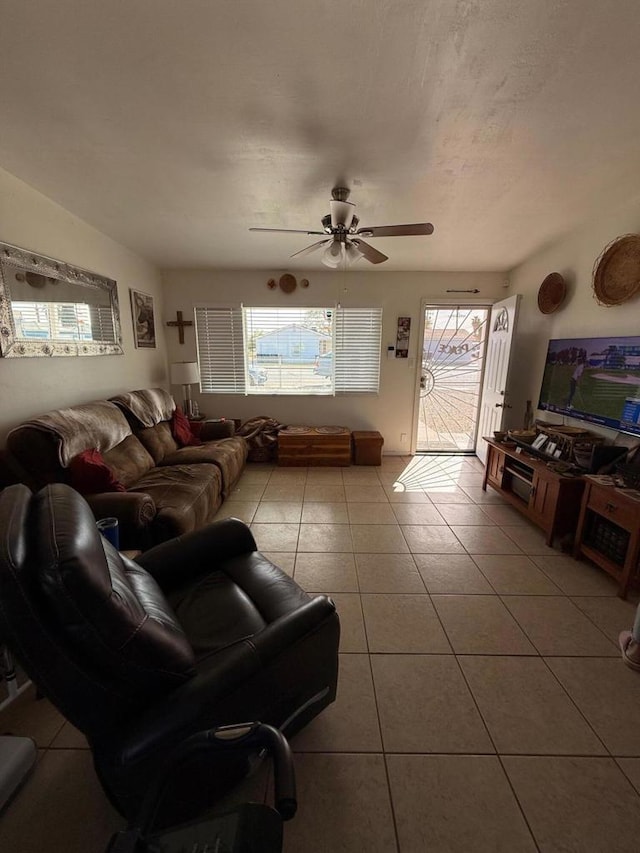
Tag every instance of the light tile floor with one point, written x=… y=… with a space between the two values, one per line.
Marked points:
x=482 y=702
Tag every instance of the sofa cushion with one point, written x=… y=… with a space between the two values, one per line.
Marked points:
x=228 y=454
x=111 y=611
x=129 y=461
x=181 y=430
x=158 y=441
x=89 y=474
x=186 y=497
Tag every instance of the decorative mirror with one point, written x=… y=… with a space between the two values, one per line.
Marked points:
x=51 y=308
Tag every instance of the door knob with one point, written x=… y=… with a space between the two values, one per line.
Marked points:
x=502 y=406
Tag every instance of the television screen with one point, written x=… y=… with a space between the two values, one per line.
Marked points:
x=594 y=379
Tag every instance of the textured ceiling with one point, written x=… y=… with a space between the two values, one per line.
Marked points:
x=174 y=126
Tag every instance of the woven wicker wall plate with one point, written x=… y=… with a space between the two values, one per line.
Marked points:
x=288 y=283
x=552 y=292
x=616 y=273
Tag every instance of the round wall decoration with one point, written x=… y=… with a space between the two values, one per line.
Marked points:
x=304 y=282
x=616 y=273
x=288 y=283
x=551 y=293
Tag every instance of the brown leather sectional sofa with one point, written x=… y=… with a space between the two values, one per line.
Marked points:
x=170 y=490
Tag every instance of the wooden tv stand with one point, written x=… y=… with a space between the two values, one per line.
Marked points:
x=551 y=500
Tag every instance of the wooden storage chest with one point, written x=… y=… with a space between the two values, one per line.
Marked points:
x=305 y=445
x=367 y=447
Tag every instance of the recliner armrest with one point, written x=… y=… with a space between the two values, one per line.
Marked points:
x=185 y=557
x=186 y=709
x=288 y=629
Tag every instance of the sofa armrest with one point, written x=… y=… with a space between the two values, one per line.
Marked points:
x=188 y=556
x=135 y=512
x=213 y=430
x=130 y=508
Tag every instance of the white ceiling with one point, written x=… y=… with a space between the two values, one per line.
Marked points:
x=174 y=125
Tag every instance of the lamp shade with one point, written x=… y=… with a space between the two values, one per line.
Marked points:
x=184 y=372
x=353 y=252
x=333 y=254
x=341 y=213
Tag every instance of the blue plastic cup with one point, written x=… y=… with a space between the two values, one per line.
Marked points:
x=109 y=529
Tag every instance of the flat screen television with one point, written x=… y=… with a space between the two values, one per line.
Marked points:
x=595 y=380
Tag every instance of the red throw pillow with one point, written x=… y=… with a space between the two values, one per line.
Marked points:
x=181 y=429
x=90 y=474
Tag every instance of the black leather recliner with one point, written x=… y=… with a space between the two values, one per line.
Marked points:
x=201 y=631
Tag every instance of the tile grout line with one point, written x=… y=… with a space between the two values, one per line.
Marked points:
x=499 y=757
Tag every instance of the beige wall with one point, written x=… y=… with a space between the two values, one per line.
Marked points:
x=399 y=294
x=29 y=386
x=580 y=315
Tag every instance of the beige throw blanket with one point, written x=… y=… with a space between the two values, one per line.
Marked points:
x=150 y=406
x=98 y=425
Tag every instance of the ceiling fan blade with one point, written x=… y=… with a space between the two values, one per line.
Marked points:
x=424 y=228
x=288 y=231
x=311 y=248
x=371 y=254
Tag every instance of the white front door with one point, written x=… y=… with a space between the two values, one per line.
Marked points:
x=495 y=387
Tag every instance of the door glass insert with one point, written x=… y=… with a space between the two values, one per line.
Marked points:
x=453 y=353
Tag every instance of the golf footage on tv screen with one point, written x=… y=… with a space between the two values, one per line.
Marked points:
x=594 y=379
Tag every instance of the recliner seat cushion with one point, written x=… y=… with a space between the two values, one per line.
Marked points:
x=224 y=607
x=111 y=611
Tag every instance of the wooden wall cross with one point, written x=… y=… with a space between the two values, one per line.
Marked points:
x=180 y=324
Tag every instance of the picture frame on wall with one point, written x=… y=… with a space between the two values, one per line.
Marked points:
x=144 y=326
x=402 y=337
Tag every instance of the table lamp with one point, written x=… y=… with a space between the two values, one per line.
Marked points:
x=185 y=373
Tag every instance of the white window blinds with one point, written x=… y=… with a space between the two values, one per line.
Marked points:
x=288 y=351
x=220 y=349
x=358 y=334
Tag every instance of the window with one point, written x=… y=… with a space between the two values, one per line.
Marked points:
x=315 y=351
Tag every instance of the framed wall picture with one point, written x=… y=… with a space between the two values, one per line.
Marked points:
x=144 y=326
x=402 y=338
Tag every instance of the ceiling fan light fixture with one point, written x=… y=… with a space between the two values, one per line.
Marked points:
x=341 y=213
x=333 y=255
x=353 y=252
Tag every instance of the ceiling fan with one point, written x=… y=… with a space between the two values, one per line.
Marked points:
x=342 y=239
